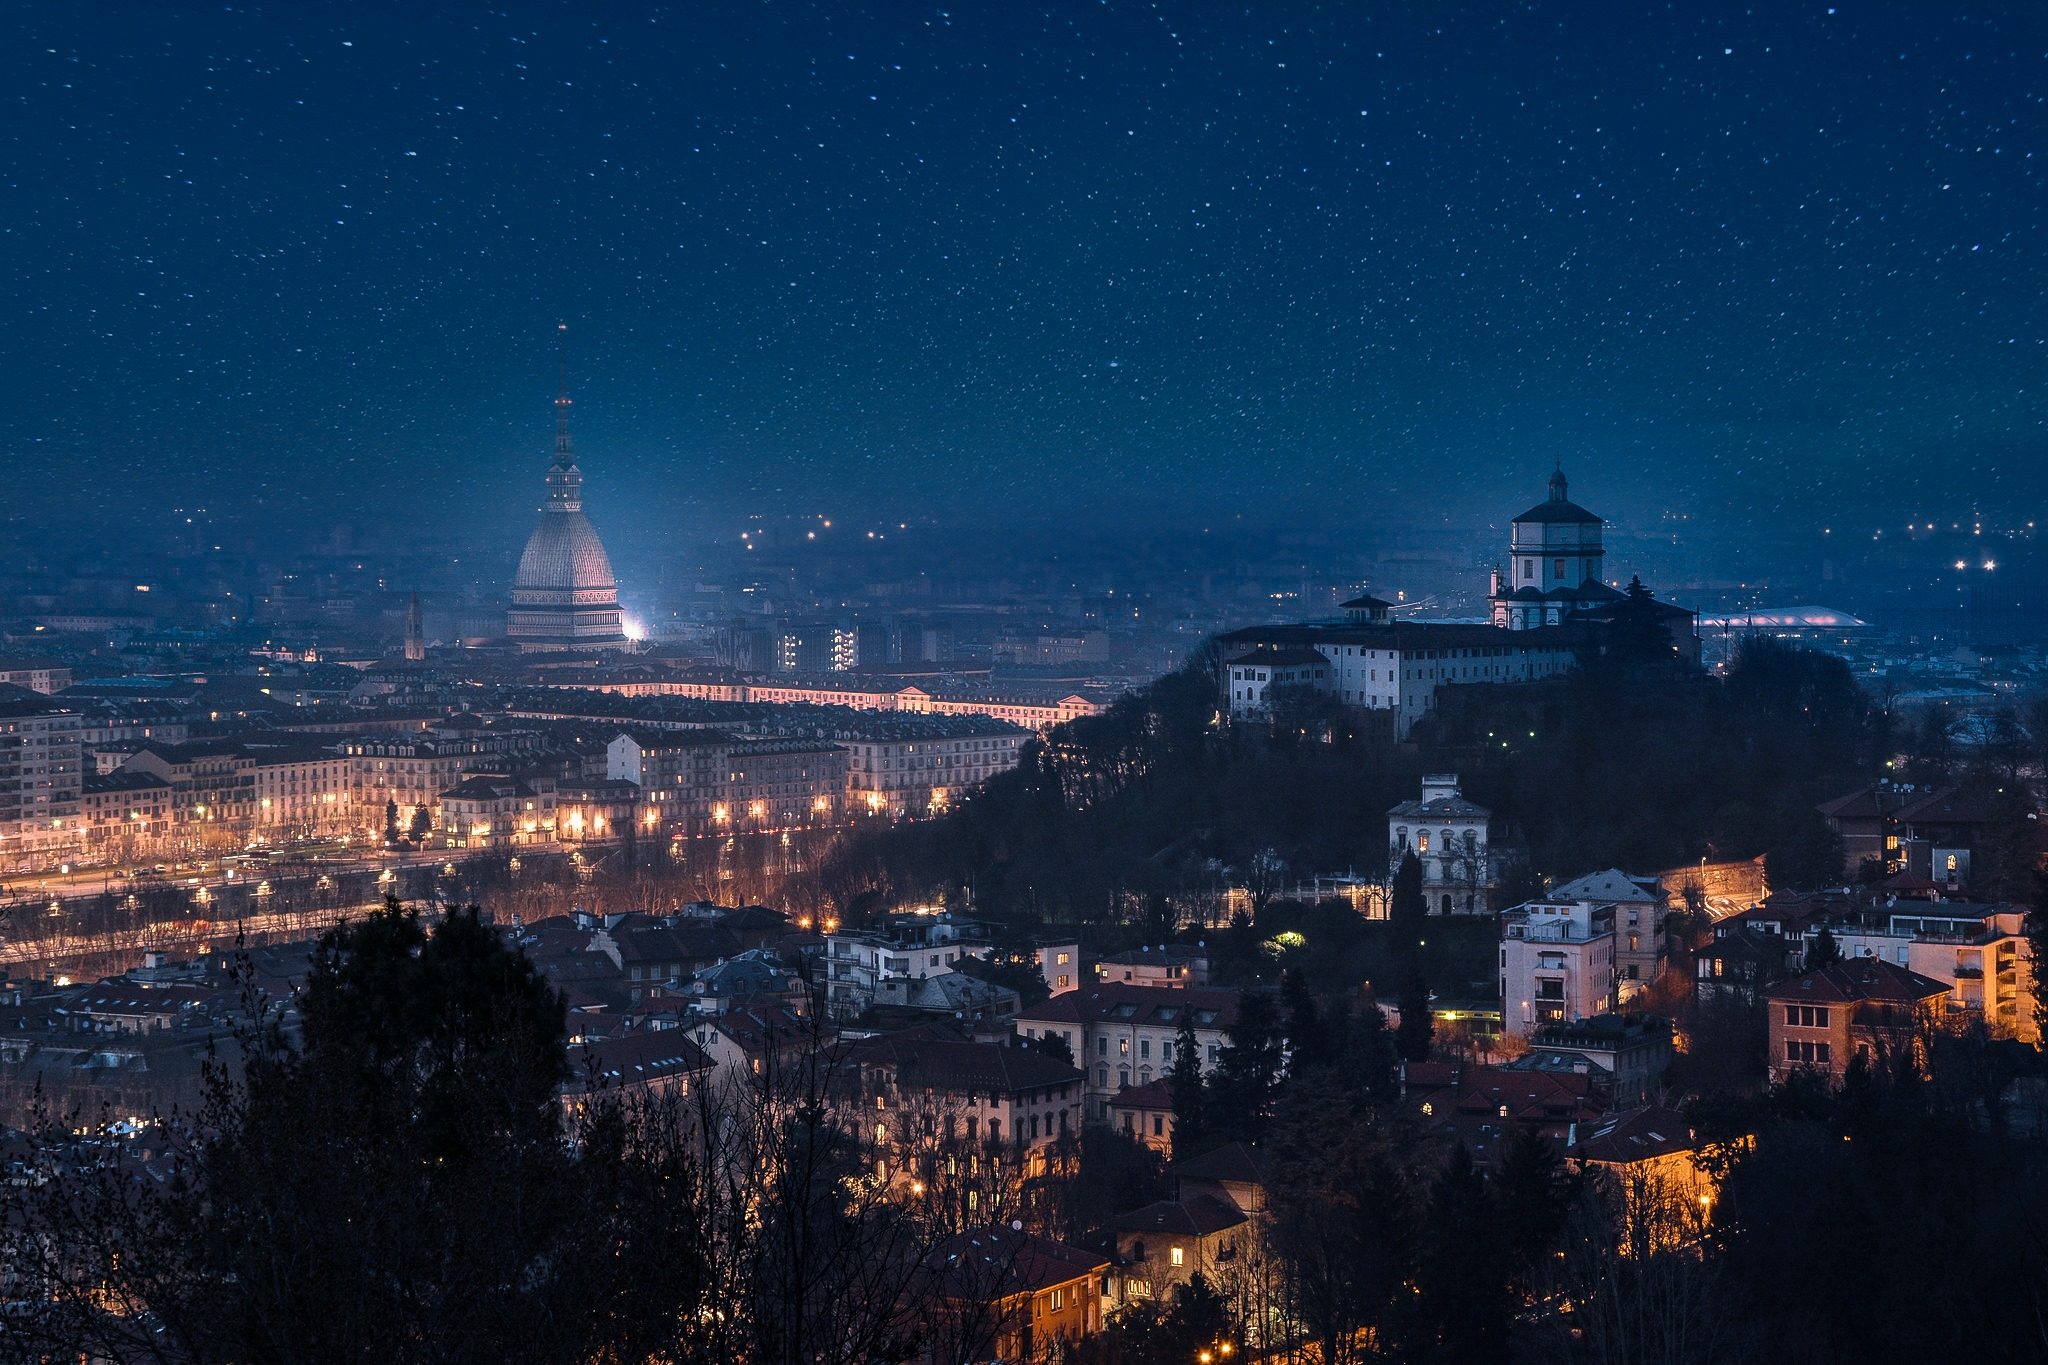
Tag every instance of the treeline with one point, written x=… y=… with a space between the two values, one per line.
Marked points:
x=1624 y=762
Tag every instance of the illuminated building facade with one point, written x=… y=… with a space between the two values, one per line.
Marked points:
x=1554 y=564
x=40 y=778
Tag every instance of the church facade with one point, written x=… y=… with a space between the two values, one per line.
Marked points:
x=1554 y=564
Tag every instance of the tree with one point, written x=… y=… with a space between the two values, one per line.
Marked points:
x=422 y=825
x=1822 y=950
x=1054 y=1045
x=1308 y=1037
x=391 y=821
x=1461 y=1282
x=1535 y=1194
x=1418 y=1022
x=1406 y=908
x=1248 y=1071
x=1184 y=1085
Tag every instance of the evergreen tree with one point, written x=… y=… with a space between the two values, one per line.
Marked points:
x=1418 y=1024
x=1371 y=1052
x=1308 y=1035
x=391 y=821
x=1535 y=1193
x=1184 y=1085
x=422 y=825
x=1248 y=1071
x=1462 y=1302
x=1406 y=908
x=1822 y=950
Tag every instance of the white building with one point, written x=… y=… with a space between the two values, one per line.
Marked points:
x=1257 y=676
x=861 y=967
x=1549 y=607
x=1448 y=836
x=1123 y=1036
x=1640 y=908
x=1554 y=564
x=1556 y=964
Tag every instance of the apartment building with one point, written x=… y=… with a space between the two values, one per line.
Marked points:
x=1557 y=963
x=1124 y=1035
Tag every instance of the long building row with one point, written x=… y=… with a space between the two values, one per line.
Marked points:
x=463 y=781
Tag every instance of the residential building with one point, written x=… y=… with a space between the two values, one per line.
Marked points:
x=1448 y=836
x=41 y=778
x=1627 y=1053
x=900 y=766
x=1640 y=908
x=1060 y=964
x=1163 y=1245
x=861 y=965
x=1556 y=964
x=1124 y=1035
x=1145 y=1112
x=1820 y=1020
x=1980 y=952
x=923 y=1095
x=1000 y=1295
x=497 y=811
x=1174 y=965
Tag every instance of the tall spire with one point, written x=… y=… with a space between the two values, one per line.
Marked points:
x=1557 y=484
x=565 y=454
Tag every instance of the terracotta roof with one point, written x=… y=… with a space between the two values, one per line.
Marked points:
x=997 y=1262
x=1121 y=1002
x=1861 y=978
x=988 y=1068
x=1200 y=1216
x=1233 y=1162
x=1634 y=1135
x=1151 y=1095
x=1969 y=805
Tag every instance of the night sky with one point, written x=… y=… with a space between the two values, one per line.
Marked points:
x=1143 y=260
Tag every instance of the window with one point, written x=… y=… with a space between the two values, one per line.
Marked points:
x=1806 y=1016
x=1798 y=1050
x=1557 y=569
x=1178 y=1256
x=1059 y=1299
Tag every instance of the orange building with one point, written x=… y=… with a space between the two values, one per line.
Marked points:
x=1009 y=1296
x=1863 y=1006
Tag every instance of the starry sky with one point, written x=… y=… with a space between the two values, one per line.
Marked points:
x=1119 y=260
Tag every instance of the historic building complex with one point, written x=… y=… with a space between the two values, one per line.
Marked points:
x=1546 y=612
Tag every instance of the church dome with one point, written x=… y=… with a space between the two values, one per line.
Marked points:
x=564 y=554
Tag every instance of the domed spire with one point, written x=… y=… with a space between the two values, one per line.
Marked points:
x=564 y=595
x=565 y=480
x=1557 y=485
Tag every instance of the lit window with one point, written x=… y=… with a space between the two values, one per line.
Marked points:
x=1178 y=1256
